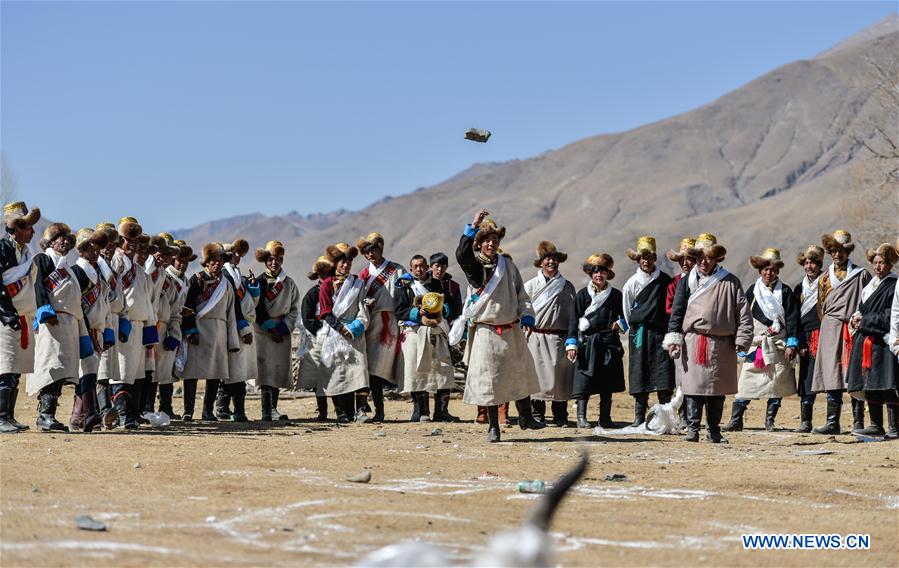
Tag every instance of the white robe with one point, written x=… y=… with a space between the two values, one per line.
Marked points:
x=13 y=358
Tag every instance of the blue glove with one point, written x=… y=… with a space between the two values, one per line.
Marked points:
x=125 y=326
x=254 y=289
x=356 y=328
x=42 y=314
x=415 y=315
x=527 y=321
x=793 y=342
x=151 y=335
x=108 y=337
x=242 y=324
x=282 y=329
x=170 y=343
x=85 y=347
x=748 y=357
x=269 y=324
x=403 y=280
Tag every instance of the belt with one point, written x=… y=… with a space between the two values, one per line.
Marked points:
x=499 y=328
x=559 y=332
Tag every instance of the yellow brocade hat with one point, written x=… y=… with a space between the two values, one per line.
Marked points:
x=687 y=244
x=272 y=248
x=771 y=257
x=432 y=303
x=645 y=244
x=17 y=214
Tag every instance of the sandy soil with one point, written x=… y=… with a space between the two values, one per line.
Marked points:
x=221 y=493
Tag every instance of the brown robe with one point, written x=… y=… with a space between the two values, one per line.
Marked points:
x=836 y=307
x=547 y=343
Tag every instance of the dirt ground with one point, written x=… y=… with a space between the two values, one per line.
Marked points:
x=262 y=494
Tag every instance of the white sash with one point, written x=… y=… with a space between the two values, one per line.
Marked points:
x=171 y=272
x=19 y=271
x=633 y=287
x=418 y=287
x=59 y=260
x=771 y=302
x=235 y=273
x=597 y=299
x=809 y=295
x=105 y=270
x=851 y=270
x=473 y=308
x=697 y=289
x=549 y=290
x=872 y=286
x=88 y=269
x=150 y=264
x=214 y=299
x=334 y=344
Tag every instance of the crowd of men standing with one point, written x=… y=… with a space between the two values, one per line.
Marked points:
x=124 y=323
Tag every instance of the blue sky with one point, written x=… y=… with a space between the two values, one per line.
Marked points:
x=182 y=112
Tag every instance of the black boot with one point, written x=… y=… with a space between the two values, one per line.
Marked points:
x=538 y=408
x=424 y=405
x=88 y=387
x=377 y=399
x=120 y=405
x=735 y=424
x=265 y=397
x=493 y=434
x=714 y=410
x=139 y=392
x=875 y=411
x=150 y=399
x=222 y=403
x=276 y=414
x=641 y=401
x=806 y=408
x=664 y=396
x=694 y=417
x=238 y=393
x=441 y=407
x=165 y=401
x=582 y=422
x=5 y=426
x=605 y=411
x=832 y=426
x=189 y=394
x=416 y=408
x=858 y=415
x=560 y=413
x=209 y=394
x=108 y=413
x=771 y=413
x=341 y=407
x=11 y=411
x=525 y=417
x=321 y=407
x=132 y=409
x=682 y=414
x=46 y=420
x=892 y=422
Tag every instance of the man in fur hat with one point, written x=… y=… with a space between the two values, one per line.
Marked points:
x=173 y=343
x=18 y=304
x=811 y=261
x=710 y=322
x=686 y=259
x=839 y=294
x=382 y=334
x=873 y=369
x=643 y=304
x=767 y=370
x=95 y=305
x=276 y=317
x=452 y=294
x=210 y=327
x=113 y=336
x=139 y=325
x=497 y=307
x=552 y=297
x=313 y=374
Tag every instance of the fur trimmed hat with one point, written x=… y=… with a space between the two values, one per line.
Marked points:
x=185 y=252
x=341 y=251
x=53 y=232
x=87 y=236
x=837 y=240
x=813 y=253
x=488 y=227
x=545 y=249
x=240 y=247
x=886 y=251
x=17 y=214
x=685 y=249
x=165 y=243
x=321 y=268
x=372 y=240
x=645 y=244
x=601 y=260
x=129 y=228
x=145 y=244
x=272 y=248
x=211 y=251
x=771 y=257
x=111 y=232
x=707 y=245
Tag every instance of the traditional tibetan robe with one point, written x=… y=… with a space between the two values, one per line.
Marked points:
x=341 y=305
x=553 y=304
x=210 y=305
x=278 y=310
x=19 y=279
x=650 y=369
x=242 y=364
x=382 y=334
x=599 y=367
x=424 y=360
x=56 y=347
x=893 y=339
x=775 y=320
x=809 y=326
x=171 y=299
x=118 y=311
x=872 y=366
x=157 y=282
x=838 y=298
x=452 y=295
x=138 y=293
x=95 y=305
x=711 y=319
x=672 y=288
x=313 y=374
x=500 y=366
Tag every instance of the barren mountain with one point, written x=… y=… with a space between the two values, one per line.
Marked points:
x=765 y=165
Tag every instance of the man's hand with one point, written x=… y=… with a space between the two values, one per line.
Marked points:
x=856 y=321
x=571 y=354
x=247 y=339
x=479 y=216
x=276 y=337
x=345 y=331
x=616 y=326
x=790 y=353
x=194 y=339
x=52 y=320
x=674 y=351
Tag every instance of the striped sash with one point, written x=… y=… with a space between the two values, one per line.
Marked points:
x=56 y=279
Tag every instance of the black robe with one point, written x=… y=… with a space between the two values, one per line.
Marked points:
x=308 y=309
x=404 y=300
x=599 y=367
x=790 y=306
x=809 y=324
x=874 y=325
x=650 y=369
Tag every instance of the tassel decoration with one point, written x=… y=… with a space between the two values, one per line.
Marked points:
x=867 y=354
x=813 y=342
x=759 y=361
x=847 y=347
x=702 y=348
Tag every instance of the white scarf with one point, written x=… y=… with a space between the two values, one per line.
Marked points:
x=697 y=289
x=597 y=299
x=105 y=270
x=235 y=274
x=150 y=264
x=548 y=290
x=215 y=298
x=871 y=286
x=809 y=295
x=126 y=261
x=88 y=269
x=280 y=277
x=374 y=272
x=418 y=287
x=473 y=308
x=771 y=302
x=334 y=344
x=178 y=278
x=633 y=287
x=851 y=270
x=59 y=261
x=19 y=271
